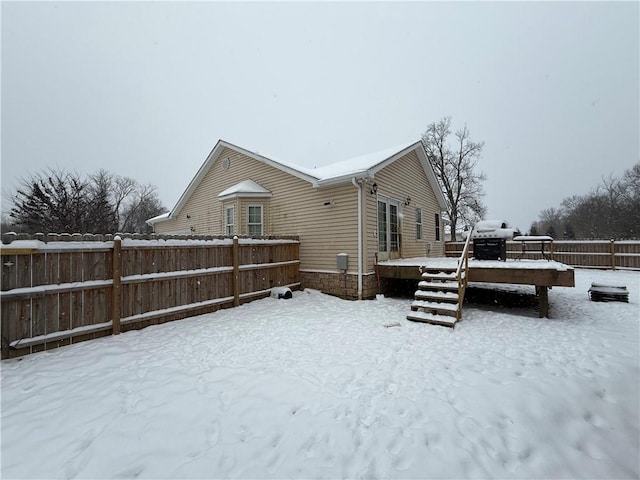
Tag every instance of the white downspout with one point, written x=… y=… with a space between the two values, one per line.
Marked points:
x=359 y=187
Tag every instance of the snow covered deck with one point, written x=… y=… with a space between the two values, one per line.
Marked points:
x=526 y=272
x=540 y=273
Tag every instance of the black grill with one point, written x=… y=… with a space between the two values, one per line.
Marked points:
x=490 y=240
x=490 y=248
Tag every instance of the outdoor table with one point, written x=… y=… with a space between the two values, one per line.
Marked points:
x=541 y=239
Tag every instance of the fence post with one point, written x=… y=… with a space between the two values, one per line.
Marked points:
x=236 y=272
x=613 y=254
x=117 y=277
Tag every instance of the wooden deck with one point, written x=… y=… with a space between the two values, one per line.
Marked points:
x=542 y=274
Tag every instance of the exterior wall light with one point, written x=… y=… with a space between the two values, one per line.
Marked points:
x=407 y=202
x=374 y=189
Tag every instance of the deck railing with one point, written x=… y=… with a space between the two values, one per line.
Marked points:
x=605 y=254
x=461 y=274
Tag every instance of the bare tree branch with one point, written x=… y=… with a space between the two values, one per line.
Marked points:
x=58 y=201
x=455 y=169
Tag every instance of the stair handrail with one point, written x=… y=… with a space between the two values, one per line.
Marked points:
x=464 y=258
x=462 y=279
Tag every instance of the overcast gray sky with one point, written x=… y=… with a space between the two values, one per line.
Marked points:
x=146 y=89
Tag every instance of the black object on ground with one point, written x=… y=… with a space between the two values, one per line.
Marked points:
x=599 y=292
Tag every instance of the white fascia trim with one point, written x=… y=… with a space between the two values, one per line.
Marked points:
x=367 y=174
x=157 y=219
x=428 y=170
x=433 y=179
x=195 y=181
x=280 y=166
x=211 y=159
x=245 y=195
x=376 y=168
x=330 y=182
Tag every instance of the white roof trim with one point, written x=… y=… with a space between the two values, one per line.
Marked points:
x=244 y=195
x=383 y=160
x=247 y=188
x=363 y=167
x=214 y=155
x=433 y=179
x=157 y=219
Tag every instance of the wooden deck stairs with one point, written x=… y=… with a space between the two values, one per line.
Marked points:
x=440 y=293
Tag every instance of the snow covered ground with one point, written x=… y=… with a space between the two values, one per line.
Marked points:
x=318 y=387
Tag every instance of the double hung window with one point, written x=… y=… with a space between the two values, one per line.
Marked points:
x=230 y=220
x=255 y=220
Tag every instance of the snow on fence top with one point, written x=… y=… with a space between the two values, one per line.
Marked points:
x=41 y=241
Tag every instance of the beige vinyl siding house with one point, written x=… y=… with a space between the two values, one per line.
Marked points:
x=239 y=192
x=404 y=180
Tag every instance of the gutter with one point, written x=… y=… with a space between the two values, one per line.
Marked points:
x=359 y=187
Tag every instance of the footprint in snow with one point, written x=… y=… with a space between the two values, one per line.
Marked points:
x=213 y=433
x=395 y=445
x=402 y=462
x=81 y=458
x=201 y=387
x=131 y=472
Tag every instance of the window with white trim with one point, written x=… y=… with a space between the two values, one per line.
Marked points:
x=388 y=224
x=230 y=220
x=418 y=224
x=437 y=222
x=255 y=220
x=394 y=224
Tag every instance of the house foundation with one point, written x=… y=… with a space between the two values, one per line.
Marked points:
x=339 y=284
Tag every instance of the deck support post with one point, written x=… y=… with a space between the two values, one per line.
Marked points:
x=542 y=292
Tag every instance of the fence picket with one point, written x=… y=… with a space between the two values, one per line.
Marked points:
x=71 y=286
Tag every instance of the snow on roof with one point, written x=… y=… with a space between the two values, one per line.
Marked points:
x=364 y=166
x=335 y=170
x=356 y=165
x=246 y=187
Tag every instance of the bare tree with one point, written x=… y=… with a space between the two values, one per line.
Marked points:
x=551 y=219
x=123 y=188
x=455 y=168
x=132 y=202
x=630 y=200
x=142 y=205
x=102 y=215
x=611 y=210
x=59 y=201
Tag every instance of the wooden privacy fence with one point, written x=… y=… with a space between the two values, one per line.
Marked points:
x=607 y=254
x=56 y=293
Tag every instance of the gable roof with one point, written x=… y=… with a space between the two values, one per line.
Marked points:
x=361 y=167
